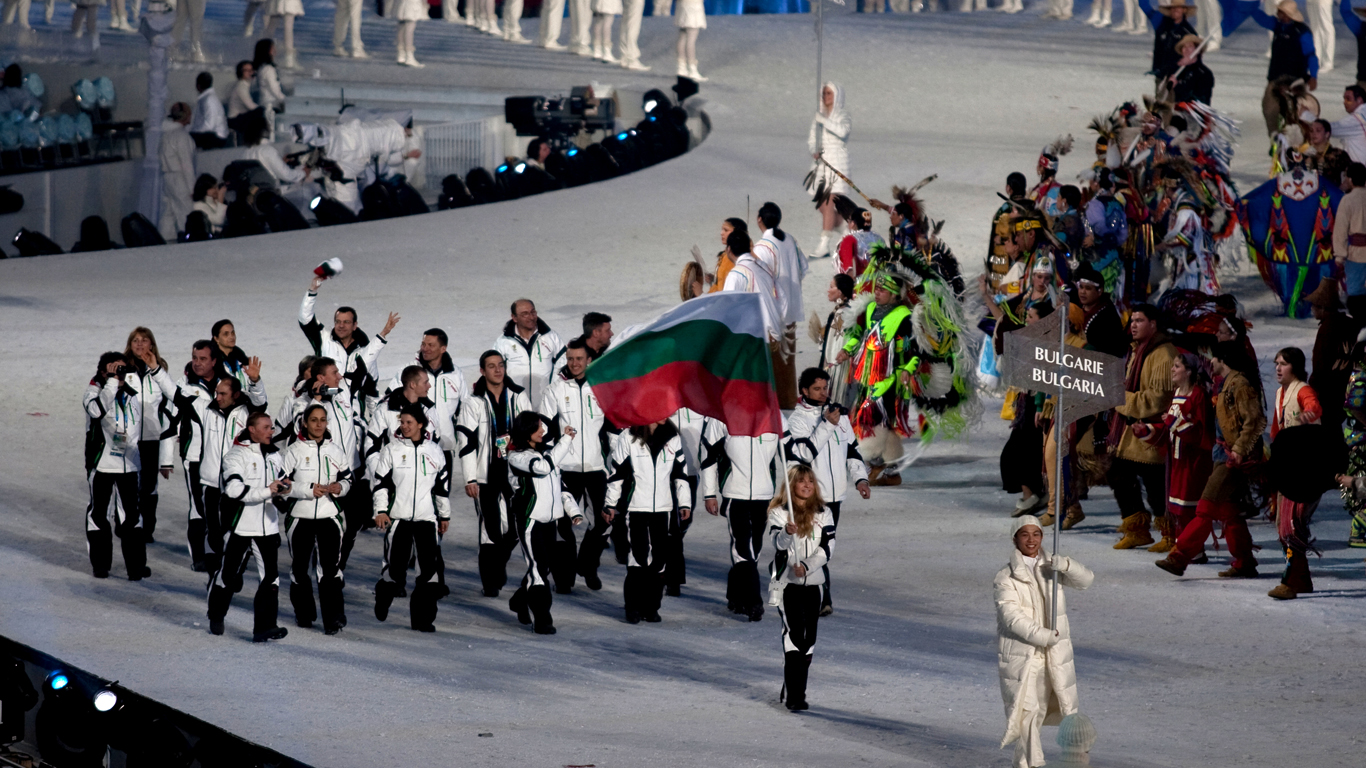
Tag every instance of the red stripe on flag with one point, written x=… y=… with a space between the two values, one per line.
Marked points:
x=748 y=408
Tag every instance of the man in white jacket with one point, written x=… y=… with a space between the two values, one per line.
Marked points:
x=253 y=475
x=778 y=252
x=570 y=403
x=354 y=351
x=177 y=171
x=531 y=351
x=1038 y=680
x=743 y=472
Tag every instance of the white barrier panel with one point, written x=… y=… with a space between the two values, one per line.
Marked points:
x=459 y=147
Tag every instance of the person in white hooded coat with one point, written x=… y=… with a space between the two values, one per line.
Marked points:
x=1038 y=680
x=829 y=139
x=176 y=155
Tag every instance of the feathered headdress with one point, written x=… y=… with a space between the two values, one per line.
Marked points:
x=1048 y=157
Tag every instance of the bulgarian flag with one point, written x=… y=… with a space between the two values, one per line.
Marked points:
x=709 y=354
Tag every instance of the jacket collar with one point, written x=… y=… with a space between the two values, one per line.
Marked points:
x=569 y=377
x=1020 y=570
x=447 y=365
x=510 y=331
x=481 y=388
x=358 y=339
x=397 y=402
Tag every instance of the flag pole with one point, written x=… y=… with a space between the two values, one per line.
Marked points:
x=1057 y=465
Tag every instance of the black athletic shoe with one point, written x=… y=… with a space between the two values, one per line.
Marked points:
x=827 y=609
x=673 y=590
x=275 y=634
x=215 y=626
x=101 y=574
x=301 y=624
x=198 y=566
x=756 y=613
x=797 y=706
x=383 y=599
x=332 y=630
x=632 y=617
x=733 y=608
x=426 y=628
x=519 y=607
x=147 y=538
x=652 y=617
x=490 y=593
x=548 y=629
x=592 y=581
x=341 y=620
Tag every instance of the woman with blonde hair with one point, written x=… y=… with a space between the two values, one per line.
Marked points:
x=803 y=533
x=155 y=403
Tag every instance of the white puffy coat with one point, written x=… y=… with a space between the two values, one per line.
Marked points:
x=113 y=425
x=311 y=462
x=530 y=362
x=572 y=403
x=1023 y=611
x=830 y=134
x=831 y=451
x=740 y=467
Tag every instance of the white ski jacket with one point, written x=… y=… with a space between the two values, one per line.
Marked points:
x=248 y=471
x=740 y=467
x=412 y=482
x=363 y=355
x=690 y=425
x=221 y=429
x=530 y=363
x=113 y=425
x=650 y=476
x=479 y=438
x=539 y=495
x=311 y=462
x=572 y=403
x=812 y=551
x=192 y=399
x=784 y=260
x=831 y=451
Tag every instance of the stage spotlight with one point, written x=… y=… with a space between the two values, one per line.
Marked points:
x=104 y=700
x=30 y=243
x=570 y=168
x=506 y=180
x=655 y=101
x=329 y=212
x=66 y=730
x=17 y=696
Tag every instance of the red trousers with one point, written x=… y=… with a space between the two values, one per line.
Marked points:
x=1192 y=539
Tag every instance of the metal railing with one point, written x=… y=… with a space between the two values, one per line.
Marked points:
x=459 y=147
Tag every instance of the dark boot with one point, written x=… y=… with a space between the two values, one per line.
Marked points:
x=267 y=609
x=795 y=665
x=422 y=606
x=194 y=533
x=518 y=605
x=333 y=604
x=563 y=566
x=384 y=597
x=590 y=557
x=301 y=598
x=538 y=600
x=492 y=573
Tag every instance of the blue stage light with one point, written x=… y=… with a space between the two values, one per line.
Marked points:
x=57 y=681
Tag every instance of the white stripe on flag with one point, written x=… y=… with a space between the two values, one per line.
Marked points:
x=741 y=312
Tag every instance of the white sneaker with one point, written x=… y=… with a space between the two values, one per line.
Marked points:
x=552 y=45
x=359 y=53
x=585 y=52
x=608 y=58
x=694 y=74
x=340 y=52
x=634 y=65
x=412 y=61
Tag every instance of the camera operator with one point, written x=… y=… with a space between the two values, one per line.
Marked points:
x=343 y=151
x=820 y=436
x=112 y=460
x=292 y=182
x=254 y=475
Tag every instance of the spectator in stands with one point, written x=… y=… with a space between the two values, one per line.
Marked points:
x=177 y=171
x=537 y=151
x=288 y=179
x=16 y=95
x=268 y=93
x=285 y=11
x=241 y=103
x=209 y=196
x=94 y=236
x=210 y=126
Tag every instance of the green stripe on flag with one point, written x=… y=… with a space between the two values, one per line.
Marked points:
x=710 y=343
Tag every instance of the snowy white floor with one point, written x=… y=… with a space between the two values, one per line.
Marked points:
x=1179 y=673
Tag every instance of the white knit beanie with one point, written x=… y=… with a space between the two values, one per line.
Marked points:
x=1076 y=734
